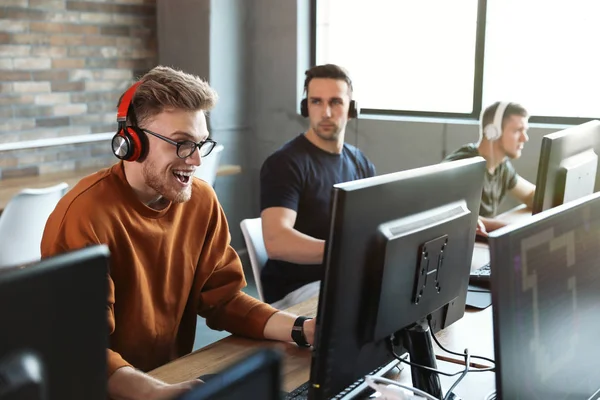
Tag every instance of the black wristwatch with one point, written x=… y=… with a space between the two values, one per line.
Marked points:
x=298 y=332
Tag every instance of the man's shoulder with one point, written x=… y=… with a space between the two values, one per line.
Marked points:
x=291 y=152
x=467 y=151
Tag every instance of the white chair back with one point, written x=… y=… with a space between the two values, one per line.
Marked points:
x=22 y=223
x=252 y=231
x=207 y=171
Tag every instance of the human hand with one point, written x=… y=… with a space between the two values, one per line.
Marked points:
x=171 y=391
x=481 y=231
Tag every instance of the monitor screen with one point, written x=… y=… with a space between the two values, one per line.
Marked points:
x=545 y=293
x=257 y=376
x=568 y=165
x=399 y=249
x=54 y=331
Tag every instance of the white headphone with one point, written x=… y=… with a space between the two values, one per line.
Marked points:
x=493 y=131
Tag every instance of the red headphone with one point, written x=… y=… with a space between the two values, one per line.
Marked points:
x=129 y=143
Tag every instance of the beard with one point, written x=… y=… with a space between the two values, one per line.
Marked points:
x=165 y=186
x=332 y=134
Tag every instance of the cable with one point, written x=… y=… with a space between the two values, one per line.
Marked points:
x=419 y=365
x=491 y=395
x=458 y=354
x=479 y=290
x=371 y=380
x=460 y=378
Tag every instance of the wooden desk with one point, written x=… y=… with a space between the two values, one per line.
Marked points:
x=10 y=187
x=472 y=331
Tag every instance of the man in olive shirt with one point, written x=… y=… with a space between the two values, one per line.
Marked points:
x=502 y=137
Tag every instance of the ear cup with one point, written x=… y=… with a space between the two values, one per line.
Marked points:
x=353 y=110
x=129 y=144
x=304 y=108
x=493 y=131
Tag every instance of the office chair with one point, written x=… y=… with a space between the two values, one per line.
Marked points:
x=22 y=223
x=208 y=169
x=252 y=232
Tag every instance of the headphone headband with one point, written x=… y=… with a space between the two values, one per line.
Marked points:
x=125 y=102
x=493 y=131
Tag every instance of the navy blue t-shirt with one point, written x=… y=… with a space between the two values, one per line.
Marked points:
x=300 y=176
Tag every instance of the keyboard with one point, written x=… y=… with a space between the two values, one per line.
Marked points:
x=301 y=392
x=481 y=276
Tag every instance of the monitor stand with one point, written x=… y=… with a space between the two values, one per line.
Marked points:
x=417 y=341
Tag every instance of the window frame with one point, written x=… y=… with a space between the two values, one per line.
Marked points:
x=477 y=77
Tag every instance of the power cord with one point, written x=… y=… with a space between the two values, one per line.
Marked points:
x=461 y=377
x=459 y=354
x=491 y=395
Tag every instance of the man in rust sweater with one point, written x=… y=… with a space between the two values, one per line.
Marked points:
x=170 y=254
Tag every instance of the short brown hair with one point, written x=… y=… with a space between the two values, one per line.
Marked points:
x=329 y=71
x=487 y=117
x=163 y=88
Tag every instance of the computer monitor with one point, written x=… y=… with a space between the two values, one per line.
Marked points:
x=568 y=165
x=257 y=376
x=54 y=331
x=399 y=249
x=545 y=293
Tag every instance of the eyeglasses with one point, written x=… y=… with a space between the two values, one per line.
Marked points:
x=186 y=148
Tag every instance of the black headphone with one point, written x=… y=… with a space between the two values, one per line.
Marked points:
x=130 y=142
x=353 y=109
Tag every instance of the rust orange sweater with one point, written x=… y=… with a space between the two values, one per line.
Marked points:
x=165 y=268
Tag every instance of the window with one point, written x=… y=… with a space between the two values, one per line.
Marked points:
x=426 y=56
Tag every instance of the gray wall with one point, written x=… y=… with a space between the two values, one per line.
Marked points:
x=255 y=57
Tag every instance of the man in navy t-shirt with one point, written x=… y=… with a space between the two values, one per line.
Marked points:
x=296 y=184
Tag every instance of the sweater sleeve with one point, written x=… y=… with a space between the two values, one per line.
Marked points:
x=66 y=231
x=220 y=280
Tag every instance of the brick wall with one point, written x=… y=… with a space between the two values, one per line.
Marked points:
x=63 y=66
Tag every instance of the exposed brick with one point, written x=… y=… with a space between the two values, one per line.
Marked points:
x=82 y=51
x=52 y=98
x=81 y=75
x=6 y=112
x=46 y=27
x=87 y=97
x=16 y=125
x=106 y=85
x=7 y=25
x=14 y=50
x=6 y=64
x=100 y=41
x=30 y=38
x=96 y=18
x=74 y=154
x=120 y=74
x=67 y=86
x=8 y=162
x=37 y=158
x=104 y=129
x=16 y=99
x=89 y=119
x=33 y=112
x=47 y=4
x=31 y=87
x=11 y=76
x=69 y=63
x=49 y=122
x=105 y=106
x=70 y=109
x=21 y=14
x=134 y=20
x=82 y=29
x=98 y=162
x=6 y=88
x=8 y=173
x=66 y=40
x=142 y=32
x=115 y=30
x=101 y=63
x=32 y=63
x=4 y=37
x=49 y=51
x=57 y=167
x=129 y=42
x=52 y=75
x=14 y=3
x=60 y=16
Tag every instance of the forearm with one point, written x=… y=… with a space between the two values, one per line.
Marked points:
x=279 y=327
x=292 y=246
x=492 y=224
x=130 y=384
